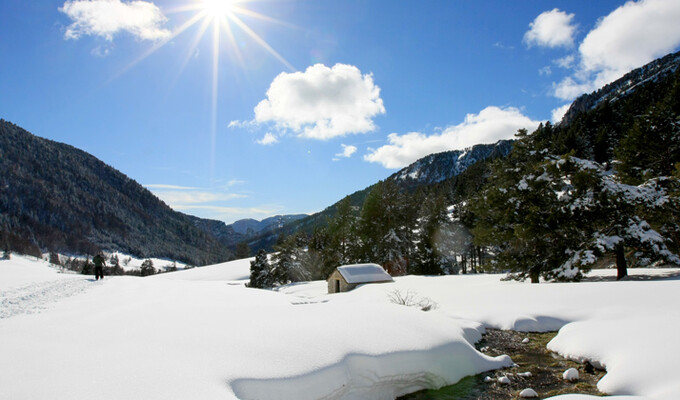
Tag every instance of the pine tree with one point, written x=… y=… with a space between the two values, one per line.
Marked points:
x=260 y=271
x=147 y=268
x=652 y=146
x=434 y=229
x=618 y=218
x=385 y=228
x=286 y=263
x=321 y=255
x=518 y=212
x=242 y=250
x=54 y=258
x=341 y=246
x=115 y=269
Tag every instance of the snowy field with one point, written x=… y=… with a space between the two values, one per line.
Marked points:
x=200 y=334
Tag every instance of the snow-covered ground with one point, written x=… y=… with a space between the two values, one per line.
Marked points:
x=200 y=334
x=238 y=271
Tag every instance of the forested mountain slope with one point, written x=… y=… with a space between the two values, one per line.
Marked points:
x=451 y=172
x=630 y=112
x=58 y=198
x=654 y=72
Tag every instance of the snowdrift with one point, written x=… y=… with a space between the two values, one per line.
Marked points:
x=210 y=337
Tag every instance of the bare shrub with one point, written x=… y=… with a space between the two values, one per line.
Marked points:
x=411 y=299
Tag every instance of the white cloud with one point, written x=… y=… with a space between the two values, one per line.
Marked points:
x=569 y=89
x=551 y=29
x=268 y=138
x=106 y=18
x=545 y=70
x=489 y=126
x=347 y=151
x=629 y=37
x=559 y=112
x=241 y=124
x=322 y=102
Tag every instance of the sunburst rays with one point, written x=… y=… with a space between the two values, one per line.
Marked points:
x=223 y=16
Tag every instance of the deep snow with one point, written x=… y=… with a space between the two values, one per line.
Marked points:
x=201 y=334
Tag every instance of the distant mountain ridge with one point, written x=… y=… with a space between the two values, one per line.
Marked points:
x=59 y=198
x=658 y=69
x=252 y=226
x=242 y=230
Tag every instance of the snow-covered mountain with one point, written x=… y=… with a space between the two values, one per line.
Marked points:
x=438 y=167
x=629 y=83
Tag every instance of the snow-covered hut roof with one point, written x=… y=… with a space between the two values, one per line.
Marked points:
x=364 y=273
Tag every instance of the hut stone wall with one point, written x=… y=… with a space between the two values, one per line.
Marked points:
x=338 y=284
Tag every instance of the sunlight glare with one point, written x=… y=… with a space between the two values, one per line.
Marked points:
x=217 y=8
x=222 y=15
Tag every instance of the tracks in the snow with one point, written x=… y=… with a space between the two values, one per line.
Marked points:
x=38 y=296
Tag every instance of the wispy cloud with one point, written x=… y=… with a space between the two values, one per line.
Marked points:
x=554 y=28
x=488 y=126
x=171 y=187
x=106 y=18
x=500 y=45
x=102 y=51
x=184 y=197
x=212 y=203
x=566 y=61
x=177 y=198
x=321 y=102
x=545 y=70
x=235 y=182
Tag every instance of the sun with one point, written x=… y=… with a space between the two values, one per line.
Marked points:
x=217 y=8
x=224 y=17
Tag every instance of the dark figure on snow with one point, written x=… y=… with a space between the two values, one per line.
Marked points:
x=98 y=262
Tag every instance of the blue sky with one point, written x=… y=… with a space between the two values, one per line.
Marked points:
x=248 y=109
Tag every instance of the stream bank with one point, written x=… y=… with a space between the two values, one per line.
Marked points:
x=536 y=368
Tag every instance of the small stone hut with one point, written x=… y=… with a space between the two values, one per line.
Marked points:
x=347 y=277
